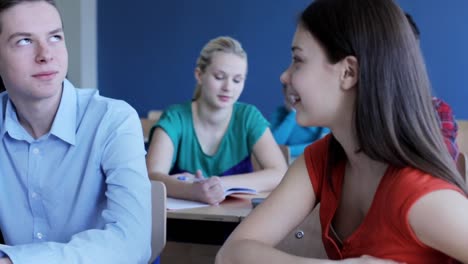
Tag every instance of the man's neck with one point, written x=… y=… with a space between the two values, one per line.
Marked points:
x=37 y=117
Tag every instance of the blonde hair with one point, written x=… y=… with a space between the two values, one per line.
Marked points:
x=220 y=44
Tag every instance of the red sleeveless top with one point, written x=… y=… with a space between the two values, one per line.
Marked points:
x=385 y=231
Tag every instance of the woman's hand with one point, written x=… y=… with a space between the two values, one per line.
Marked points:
x=207 y=190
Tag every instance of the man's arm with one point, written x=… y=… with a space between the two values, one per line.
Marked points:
x=126 y=216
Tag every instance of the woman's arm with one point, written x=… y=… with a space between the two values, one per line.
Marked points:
x=447 y=227
x=271 y=159
x=254 y=239
x=158 y=162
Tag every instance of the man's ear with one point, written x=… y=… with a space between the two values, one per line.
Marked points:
x=349 y=72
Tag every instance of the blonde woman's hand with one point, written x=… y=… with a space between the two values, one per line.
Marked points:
x=207 y=190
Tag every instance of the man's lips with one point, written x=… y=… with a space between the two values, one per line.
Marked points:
x=46 y=75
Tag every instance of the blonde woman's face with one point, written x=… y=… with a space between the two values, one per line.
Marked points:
x=223 y=80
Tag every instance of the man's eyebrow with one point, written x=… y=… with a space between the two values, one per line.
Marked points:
x=58 y=30
x=19 y=34
x=25 y=34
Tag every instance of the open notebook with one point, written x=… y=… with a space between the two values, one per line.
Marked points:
x=177 y=204
x=239 y=190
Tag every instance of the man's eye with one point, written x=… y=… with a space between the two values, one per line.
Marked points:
x=56 y=38
x=23 y=42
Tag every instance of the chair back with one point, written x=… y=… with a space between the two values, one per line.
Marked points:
x=462 y=137
x=146 y=125
x=154 y=114
x=461 y=166
x=148 y=122
x=158 y=210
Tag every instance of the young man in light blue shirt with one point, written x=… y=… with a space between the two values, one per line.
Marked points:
x=73 y=182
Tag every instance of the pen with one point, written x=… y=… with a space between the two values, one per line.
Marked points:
x=185 y=178
x=182 y=178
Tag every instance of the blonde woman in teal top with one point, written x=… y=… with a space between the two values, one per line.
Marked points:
x=214 y=136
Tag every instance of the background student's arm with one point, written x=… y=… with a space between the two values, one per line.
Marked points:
x=159 y=161
x=282 y=125
x=298 y=149
x=319 y=132
x=271 y=159
x=126 y=212
x=448 y=230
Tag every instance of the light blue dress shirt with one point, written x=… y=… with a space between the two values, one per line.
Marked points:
x=79 y=194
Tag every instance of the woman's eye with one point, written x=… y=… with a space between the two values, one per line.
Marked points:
x=296 y=59
x=219 y=77
x=237 y=80
x=24 y=42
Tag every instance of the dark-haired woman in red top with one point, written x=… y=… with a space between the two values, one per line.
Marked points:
x=389 y=189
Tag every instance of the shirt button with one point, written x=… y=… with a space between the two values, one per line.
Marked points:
x=36 y=151
x=39 y=235
x=34 y=195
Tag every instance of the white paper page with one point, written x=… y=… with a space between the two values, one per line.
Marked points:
x=177 y=204
x=239 y=190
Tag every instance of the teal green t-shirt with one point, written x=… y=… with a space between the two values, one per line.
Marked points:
x=246 y=126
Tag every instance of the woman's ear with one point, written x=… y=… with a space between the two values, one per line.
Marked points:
x=349 y=72
x=198 y=73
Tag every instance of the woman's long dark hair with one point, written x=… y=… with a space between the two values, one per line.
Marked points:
x=394 y=118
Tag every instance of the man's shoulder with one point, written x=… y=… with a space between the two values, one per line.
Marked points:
x=100 y=111
x=94 y=101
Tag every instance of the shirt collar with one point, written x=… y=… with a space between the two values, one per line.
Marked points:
x=63 y=126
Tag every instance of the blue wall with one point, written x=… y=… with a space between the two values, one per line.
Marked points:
x=444 y=42
x=147 y=51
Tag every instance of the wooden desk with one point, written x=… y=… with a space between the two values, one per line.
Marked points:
x=209 y=225
x=233 y=209
x=194 y=236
